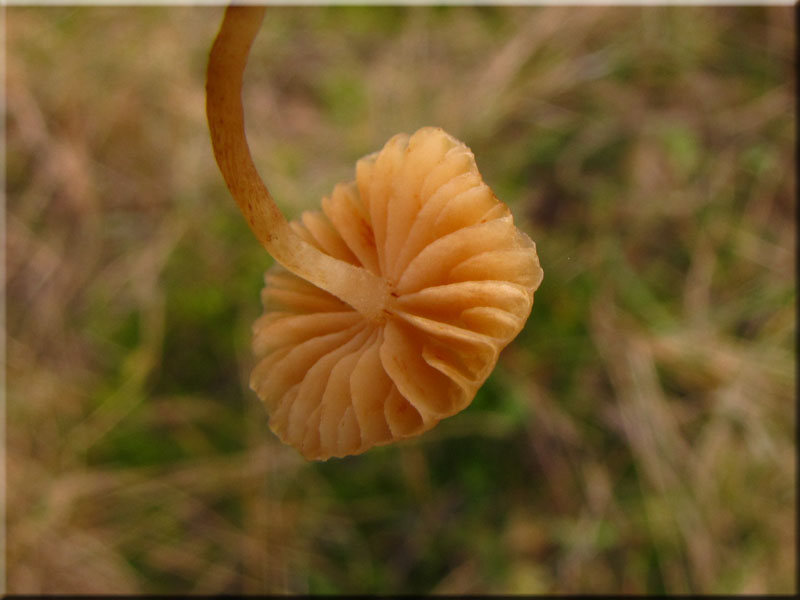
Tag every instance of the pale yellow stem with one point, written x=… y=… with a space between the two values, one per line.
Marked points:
x=354 y=285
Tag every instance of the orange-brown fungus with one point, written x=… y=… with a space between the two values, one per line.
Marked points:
x=393 y=301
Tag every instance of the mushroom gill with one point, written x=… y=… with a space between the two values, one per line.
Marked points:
x=388 y=308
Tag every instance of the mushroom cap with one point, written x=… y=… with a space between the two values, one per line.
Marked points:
x=461 y=279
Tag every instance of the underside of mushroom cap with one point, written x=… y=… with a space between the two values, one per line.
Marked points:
x=461 y=279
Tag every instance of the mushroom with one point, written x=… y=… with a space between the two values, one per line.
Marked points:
x=388 y=308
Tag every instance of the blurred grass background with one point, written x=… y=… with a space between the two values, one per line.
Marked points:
x=637 y=437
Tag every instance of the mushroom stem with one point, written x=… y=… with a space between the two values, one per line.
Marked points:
x=356 y=286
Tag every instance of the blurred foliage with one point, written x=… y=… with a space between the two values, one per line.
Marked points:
x=637 y=437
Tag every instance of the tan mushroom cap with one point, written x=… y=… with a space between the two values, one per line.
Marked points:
x=391 y=305
x=461 y=279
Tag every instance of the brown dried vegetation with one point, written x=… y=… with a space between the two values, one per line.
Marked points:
x=638 y=435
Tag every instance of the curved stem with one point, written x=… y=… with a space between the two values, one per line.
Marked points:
x=354 y=285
